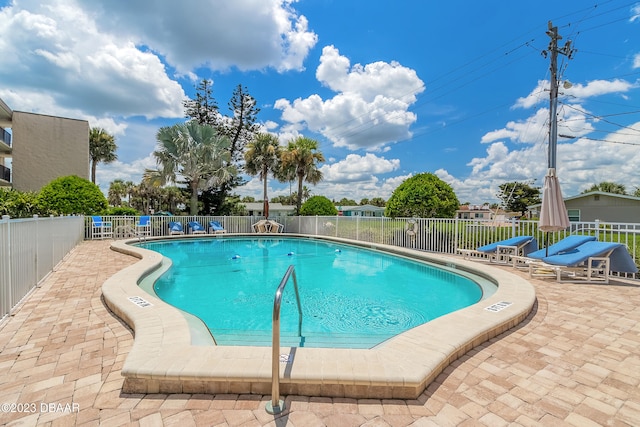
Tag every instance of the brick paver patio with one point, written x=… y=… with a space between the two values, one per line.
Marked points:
x=575 y=361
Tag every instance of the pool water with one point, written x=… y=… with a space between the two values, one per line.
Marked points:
x=350 y=296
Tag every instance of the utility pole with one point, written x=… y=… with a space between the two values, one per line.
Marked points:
x=553 y=103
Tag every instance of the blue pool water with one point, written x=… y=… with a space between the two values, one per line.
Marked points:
x=351 y=296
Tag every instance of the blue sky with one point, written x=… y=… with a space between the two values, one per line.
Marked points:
x=389 y=89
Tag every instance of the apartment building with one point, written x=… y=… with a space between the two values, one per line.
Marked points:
x=35 y=148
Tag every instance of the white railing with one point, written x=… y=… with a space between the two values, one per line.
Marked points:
x=439 y=235
x=447 y=235
x=30 y=248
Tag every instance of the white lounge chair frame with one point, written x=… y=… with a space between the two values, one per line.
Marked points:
x=596 y=270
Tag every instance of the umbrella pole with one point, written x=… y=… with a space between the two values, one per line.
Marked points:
x=546 y=245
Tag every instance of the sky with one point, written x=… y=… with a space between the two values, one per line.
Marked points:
x=389 y=89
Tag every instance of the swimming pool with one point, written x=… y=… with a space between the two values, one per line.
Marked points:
x=351 y=297
x=165 y=359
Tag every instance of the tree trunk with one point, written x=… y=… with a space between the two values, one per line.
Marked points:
x=93 y=171
x=299 y=201
x=193 y=209
x=264 y=192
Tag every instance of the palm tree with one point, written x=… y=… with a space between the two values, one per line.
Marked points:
x=302 y=153
x=195 y=152
x=129 y=189
x=607 y=187
x=261 y=158
x=102 y=149
x=117 y=190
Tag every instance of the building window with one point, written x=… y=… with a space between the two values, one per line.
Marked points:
x=596 y=197
x=574 y=214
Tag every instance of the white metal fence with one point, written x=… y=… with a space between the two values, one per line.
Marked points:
x=428 y=234
x=29 y=250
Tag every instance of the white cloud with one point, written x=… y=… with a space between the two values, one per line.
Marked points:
x=635 y=13
x=370 y=110
x=636 y=60
x=356 y=168
x=131 y=171
x=354 y=177
x=573 y=120
x=55 y=50
x=107 y=59
x=581 y=163
x=577 y=91
x=247 y=34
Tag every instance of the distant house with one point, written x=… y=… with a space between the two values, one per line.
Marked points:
x=364 y=210
x=275 y=209
x=598 y=205
x=474 y=212
x=492 y=217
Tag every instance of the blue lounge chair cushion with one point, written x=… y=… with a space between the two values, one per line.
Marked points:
x=196 y=226
x=619 y=257
x=526 y=243
x=216 y=226
x=175 y=226
x=563 y=245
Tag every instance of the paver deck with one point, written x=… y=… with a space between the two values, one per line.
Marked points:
x=575 y=361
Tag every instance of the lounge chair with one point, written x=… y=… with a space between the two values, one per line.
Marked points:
x=216 y=228
x=175 y=228
x=143 y=226
x=566 y=244
x=100 y=229
x=590 y=262
x=196 y=228
x=503 y=251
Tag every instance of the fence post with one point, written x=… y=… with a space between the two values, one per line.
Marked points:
x=37 y=249
x=7 y=251
x=597 y=221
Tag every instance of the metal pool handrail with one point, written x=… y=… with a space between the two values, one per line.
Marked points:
x=276 y=405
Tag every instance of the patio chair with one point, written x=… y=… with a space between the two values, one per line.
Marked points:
x=590 y=262
x=143 y=226
x=175 y=227
x=100 y=229
x=274 y=226
x=196 y=228
x=261 y=226
x=215 y=227
x=503 y=251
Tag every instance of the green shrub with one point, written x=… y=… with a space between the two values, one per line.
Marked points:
x=318 y=205
x=423 y=196
x=72 y=195
x=122 y=210
x=19 y=204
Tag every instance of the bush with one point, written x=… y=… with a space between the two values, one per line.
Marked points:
x=72 y=195
x=19 y=204
x=122 y=210
x=318 y=205
x=423 y=196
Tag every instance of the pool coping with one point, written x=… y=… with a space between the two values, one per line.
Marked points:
x=163 y=360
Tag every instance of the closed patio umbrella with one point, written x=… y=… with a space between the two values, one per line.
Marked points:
x=553 y=212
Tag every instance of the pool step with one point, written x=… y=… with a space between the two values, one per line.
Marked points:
x=292 y=340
